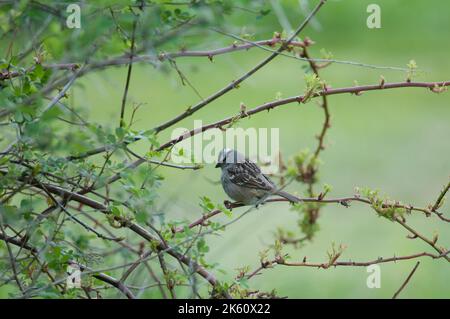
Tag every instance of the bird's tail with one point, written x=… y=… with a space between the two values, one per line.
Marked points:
x=289 y=197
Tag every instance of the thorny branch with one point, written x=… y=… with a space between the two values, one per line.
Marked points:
x=272 y=105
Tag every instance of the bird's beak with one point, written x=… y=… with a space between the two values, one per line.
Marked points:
x=218 y=165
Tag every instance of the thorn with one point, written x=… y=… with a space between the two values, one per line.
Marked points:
x=243 y=108
x=161 y=56
x=435 y=238
x=307 y=42
x=344 y=203
x=382 y=80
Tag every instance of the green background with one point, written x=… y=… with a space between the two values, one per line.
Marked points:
x=396 y=141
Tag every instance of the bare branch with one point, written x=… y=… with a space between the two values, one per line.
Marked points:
x=327 y=265
x=406 y=281
x=267 y=107
x=130 y=67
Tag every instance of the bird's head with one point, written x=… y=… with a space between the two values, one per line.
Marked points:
x=229 y=156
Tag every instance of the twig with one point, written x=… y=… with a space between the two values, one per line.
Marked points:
x=164 y=163
x=155 y=278
x=327 y=265
x=440 y=198
x=342 y=201
x=423 y=238
x=311 y=170
x=12 y=260
x=110 y=280
x=127 y=83
x=406 y=281
x=232 y=48
x=299 y=98
x=271 y=105
x=139 y=230
x=235 y=83
x=85 y=226
x=141 y=259
x=165 y=271
x=326 y=123
x=103 y=277
x=325 y=62
x=267 y=107
x=199 y=221
x=63 y=91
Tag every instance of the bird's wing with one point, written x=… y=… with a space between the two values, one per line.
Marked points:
x=248 y=174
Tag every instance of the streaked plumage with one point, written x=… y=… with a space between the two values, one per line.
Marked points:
x=243 y=180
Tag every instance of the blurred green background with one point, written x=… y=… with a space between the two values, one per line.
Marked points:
x=396 y=141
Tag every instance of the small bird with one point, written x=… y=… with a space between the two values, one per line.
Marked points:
x=243 y=181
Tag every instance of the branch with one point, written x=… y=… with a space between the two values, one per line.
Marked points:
x=232 y=48
x=200 y=221
x=299 y=99
x=271 y=105
x=133 y=267
x=406 y=281
x=440 y=198
x=343 y=201
x=12 y=260
x=416 y=234
x=128 y=58
x=169 y=282
x=245 y=76
x=127 y=83
x=267 y=107
x=327 y=265
x=307 y=42
x=139 y=230
x=163 y=163
x=311 y=169
x=326 y=124
x=100 y=276
x=379 y=260
x=110 y=280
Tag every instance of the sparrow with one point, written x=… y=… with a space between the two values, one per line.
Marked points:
x=243 y=180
